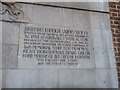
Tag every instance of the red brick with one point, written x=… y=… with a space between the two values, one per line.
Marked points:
x=117 y=58
x=116 y=44
x=118 y=39
x=118 y=64
x=114 y=39
x=116 y=22
x=114 y=10
x=118 y=70
x=118 y=6
x=118 y=49
x=117 y=54
x=116 y=35
x=112 y=5
x=115 y=19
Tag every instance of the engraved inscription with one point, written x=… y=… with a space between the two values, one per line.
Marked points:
x=52 y=46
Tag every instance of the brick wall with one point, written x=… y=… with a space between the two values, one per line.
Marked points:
x=115 y=26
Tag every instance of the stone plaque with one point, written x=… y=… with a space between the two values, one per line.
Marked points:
x=53 y=46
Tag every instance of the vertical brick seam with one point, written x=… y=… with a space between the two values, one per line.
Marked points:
x=115 y=27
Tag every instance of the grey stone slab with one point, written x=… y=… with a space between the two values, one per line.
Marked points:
x=77 y=78
x=0 y=44
x=103 y=48
x=112 y=59
x=104 y=5
x=19 y=78
x=106 y=78
x=0 y=32
x=48 y=78
x=48 y=15
x=68 y=17
x=104 y=58
x=81 y=19
x=88 y=78
x=10 y=33
x=106 y=18
x=0 y=78
x=97 y=5
x=102 y=38
x=0 y=56
x=100 y=21
x=9 y=56
x=95 y=20
x=0 y=17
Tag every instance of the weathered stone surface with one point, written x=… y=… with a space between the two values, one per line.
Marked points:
x=106 y=78
x=10 y=33
x=77 y=78
x=67 y=78
x=103 y=47
x=9 y=56
x=24 y=78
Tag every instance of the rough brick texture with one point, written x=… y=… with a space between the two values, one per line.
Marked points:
x=115 y=27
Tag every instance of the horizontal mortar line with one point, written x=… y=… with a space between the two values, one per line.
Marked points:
x=64 y=7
